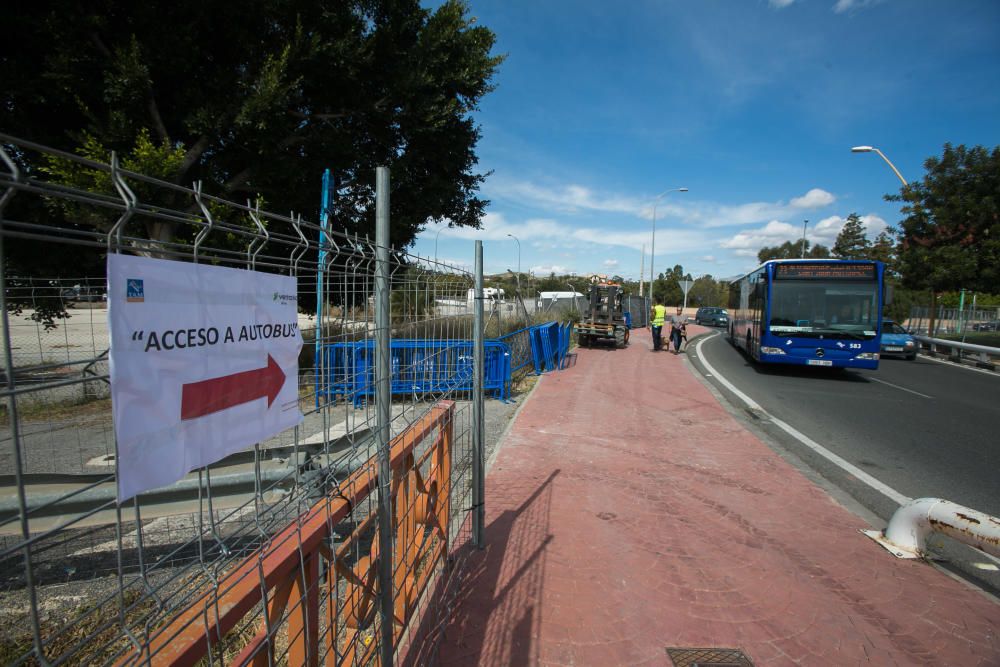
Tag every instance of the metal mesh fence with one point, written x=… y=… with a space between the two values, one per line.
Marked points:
x=954 y=320
x=288 y=527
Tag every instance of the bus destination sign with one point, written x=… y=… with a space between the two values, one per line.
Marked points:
x=818 y=271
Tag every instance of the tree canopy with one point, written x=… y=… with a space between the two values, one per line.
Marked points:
x=950 y=236
x=852 y=243
x=257 y=99
x=792 y=250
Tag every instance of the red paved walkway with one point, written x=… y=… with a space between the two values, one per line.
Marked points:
x=628 y=512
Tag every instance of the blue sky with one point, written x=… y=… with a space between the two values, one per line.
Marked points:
x=753 y=105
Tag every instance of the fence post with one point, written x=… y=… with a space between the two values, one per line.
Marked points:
x=15 y=441
x=478 y=450
x=383 y=398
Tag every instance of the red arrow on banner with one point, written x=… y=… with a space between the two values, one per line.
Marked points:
x=209 y=396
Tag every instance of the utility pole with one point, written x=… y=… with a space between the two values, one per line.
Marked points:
x=804 y=224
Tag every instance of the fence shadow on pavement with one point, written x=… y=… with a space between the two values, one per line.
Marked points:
x=497 y=599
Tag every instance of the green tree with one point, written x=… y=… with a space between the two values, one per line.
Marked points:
x=852 y=243
x=792 y=250
x=707 y=291
x=884 y=250
x=257 y=100
x=950 y=235
x=667 y=286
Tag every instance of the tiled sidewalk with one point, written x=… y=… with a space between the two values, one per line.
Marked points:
x=628 y=512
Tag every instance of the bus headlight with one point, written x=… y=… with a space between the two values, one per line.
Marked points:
x=868 y=356
x=771 y=350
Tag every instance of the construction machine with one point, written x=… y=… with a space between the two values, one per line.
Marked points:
x=603 y=321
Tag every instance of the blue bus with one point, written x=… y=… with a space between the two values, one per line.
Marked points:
x=812 y=312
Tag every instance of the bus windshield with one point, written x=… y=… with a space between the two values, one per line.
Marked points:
x=824 y=309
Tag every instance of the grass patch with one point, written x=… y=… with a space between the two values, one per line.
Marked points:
x=987 y=338
x=93 y=409
x=68 y=635
x=524 y=384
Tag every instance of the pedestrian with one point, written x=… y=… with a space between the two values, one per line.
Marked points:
x=678 y=330
x=657 y=316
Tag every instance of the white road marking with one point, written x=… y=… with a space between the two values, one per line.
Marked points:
x=841 y=463
x=896 y=386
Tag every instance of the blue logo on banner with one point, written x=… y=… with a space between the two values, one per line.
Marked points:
x=133 y=291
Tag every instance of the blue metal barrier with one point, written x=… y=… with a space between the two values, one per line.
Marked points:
x=440 y=366
x=565 y=335
x=549 y=335
x=536 y=346
x=521 y=349
x=417 y=366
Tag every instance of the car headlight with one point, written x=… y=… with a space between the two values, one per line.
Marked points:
x=910 y=343
x=771 y=350
x=867 y=356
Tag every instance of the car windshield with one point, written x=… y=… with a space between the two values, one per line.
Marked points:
x=893 y=328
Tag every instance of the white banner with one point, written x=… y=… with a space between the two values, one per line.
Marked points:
x=204 y=363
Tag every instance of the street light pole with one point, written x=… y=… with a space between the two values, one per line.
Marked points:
x=652 y=248
x=436 y=236
x=642 y=268
x=804 y=224
x=872 y=149
x=518 y=262
x=520 y=297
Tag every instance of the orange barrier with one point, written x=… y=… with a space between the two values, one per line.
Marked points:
x=297 y=568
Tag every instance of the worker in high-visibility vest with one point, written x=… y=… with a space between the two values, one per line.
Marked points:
x=657 y=316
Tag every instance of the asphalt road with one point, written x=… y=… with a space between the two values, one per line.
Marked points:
x=921 y=427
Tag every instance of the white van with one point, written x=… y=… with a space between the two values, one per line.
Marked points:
x=492 y=296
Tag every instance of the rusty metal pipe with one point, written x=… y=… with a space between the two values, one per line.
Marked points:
x=906 y=534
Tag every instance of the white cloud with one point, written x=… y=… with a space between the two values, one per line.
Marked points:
x=560 y=235
x=774 y=233
x=780 y=4
x=849 y=5
x=682 y=207
x=826 y=230
x=815 y=198
x=570 y=198
x=874 y=225
x=684 y=227
x=711 y=214
x=557 y=269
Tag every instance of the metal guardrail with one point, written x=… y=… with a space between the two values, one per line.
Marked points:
x=907 y=532
x=982 y=355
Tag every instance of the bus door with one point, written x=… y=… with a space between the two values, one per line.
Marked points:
x=758 y=309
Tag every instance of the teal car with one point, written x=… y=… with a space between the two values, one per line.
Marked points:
x=897 y=341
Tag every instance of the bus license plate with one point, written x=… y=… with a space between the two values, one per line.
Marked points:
x=819 y=362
